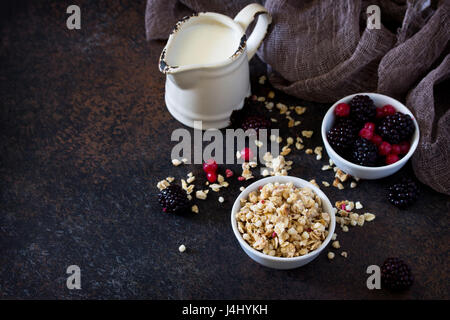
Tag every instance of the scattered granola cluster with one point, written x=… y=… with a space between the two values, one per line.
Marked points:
x=283 y=220
x=283 y=109
x=246 y=171
x=339 y=177
x=185 y=184
x=188 y=186
x=163 y=184
x=201 y=194
x=278 y=166
x=177 y=162
x=221 y=183
x=262 y=79
x=299 y=143
x=345 y=217
x=336 y=245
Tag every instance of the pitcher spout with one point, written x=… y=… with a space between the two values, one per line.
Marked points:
x=164 y=67
x=182 y=76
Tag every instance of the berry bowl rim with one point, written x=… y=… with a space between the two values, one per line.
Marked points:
x=330 y=117
x=298 y=182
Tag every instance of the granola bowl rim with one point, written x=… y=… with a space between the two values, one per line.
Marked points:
x=298 y=182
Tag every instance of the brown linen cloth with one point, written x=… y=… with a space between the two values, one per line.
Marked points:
x=321 y=50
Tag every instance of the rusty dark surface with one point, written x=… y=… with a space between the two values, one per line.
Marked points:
x=85 y=136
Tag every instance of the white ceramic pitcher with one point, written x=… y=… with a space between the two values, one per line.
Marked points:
x=212 y=81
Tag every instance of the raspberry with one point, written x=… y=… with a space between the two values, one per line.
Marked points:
x=377 y=140
x=370 y=126
x=211 y=176
x=173 y=199
x=247 y=154
x=366 y=133
x=388 y=110
x=342 y=110
x=229 y=173
x=396 y=275
x=396 y=149
x=210 y=166
x=404 y=147
x=362 y=108
x=379 y=113
x=384 y=148
x=391 y=158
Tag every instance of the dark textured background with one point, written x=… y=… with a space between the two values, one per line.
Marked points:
x=85 y=136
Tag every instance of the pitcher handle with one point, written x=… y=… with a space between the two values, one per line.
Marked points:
x=245 y=17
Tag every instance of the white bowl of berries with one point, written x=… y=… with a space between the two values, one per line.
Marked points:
x=369 y=135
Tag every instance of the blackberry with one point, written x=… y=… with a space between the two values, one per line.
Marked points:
x=341 y=138
x=362 y=109
x=256 y=123
x=364 y=153
x=347 y=122
x=396 y=275
x=173 y=199
x=404 y=193
x=396 y=128
x=249 y=109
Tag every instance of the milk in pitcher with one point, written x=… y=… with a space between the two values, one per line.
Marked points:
x=205 y=43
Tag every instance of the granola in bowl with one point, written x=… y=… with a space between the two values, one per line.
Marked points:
x=283 y=222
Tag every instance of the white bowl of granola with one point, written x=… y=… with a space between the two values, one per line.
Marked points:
x=282 y=222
